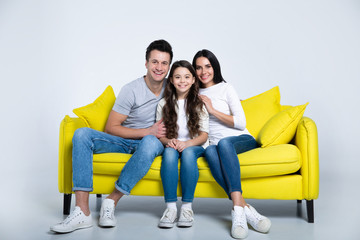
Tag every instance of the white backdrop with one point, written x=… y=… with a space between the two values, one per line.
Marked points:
x=59 y=55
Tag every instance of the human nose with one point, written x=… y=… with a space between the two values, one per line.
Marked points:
x=158 y=66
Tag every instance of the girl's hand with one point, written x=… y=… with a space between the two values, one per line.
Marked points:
x=207 y=102
x=181 y=146
x=172 y=143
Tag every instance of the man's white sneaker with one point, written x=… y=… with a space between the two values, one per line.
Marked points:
x=186 y=218
x=76 y=220
x=107 y=213
x=259 y=222
x=239 y=228
x=168 y=218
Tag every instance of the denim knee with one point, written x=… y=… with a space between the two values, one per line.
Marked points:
x=170 y=155
x=225 y=143
x=210 y=152
x=81 y=133
x=151 y=145
x=189 y=157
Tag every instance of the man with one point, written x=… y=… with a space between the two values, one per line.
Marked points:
x=130 y=128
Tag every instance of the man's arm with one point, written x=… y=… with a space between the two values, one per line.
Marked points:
x=114 y=127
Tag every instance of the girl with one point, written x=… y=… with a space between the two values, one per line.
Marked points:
x=228 y=137
x=187 y=122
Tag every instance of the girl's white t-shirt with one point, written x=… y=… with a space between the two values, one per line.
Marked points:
x=183 y=131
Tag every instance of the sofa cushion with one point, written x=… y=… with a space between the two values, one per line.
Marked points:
x=260 y=162
x=96 y=114
x=260 y=108
x=280 y=129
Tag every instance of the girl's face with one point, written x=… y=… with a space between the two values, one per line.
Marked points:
x=205 y=71
x=182 y=80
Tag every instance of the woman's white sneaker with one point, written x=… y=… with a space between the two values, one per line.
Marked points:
x=76 y=220
x=239 y=228
x=107 y=213
x=259 y=222
x=168 y=218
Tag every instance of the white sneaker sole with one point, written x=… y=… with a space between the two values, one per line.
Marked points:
x=166 y=225
x=185 y=224
x=107 y=224
x=54 y=229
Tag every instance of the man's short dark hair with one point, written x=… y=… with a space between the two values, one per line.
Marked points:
x=160 y=45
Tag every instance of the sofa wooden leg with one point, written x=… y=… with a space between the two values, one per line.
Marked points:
x=310 y=210
x=67 y=203
x=98 y=195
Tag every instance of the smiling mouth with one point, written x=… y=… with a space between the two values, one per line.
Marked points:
x=158 y=74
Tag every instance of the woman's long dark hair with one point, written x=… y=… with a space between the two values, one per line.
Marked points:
x=214 y=63
x=193 y=104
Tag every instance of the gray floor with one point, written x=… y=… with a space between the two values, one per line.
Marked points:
x=336 y=217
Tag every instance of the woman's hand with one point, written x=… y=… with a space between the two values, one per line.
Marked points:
x=227 y=119
x=208 y=103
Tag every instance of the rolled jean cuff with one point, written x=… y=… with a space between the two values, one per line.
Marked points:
x=235 y=190
x=171 y=200
x=121 y=190
x=82 y=189
x=187 y=200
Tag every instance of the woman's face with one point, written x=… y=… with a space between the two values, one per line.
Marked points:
x=205 y=71
x=182 y=80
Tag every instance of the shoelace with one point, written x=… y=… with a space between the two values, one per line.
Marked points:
x=71 y=217
x=107 y=213
x=187 y=214
x=238 y=220
x=256 y=214
x=169 y=215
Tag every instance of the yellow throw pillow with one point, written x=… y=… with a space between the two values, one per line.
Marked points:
x=260 y=108
x=280 y=129
x=96 y=114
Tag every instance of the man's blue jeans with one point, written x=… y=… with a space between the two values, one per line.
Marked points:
x=189 y=172
x=224 y=163
x=87 y=141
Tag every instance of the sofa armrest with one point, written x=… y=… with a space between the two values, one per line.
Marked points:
x=306 y=139
x=67 y=128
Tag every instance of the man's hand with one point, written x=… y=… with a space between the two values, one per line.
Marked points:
x=158 y=129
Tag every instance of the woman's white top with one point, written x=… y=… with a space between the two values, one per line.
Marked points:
x=225 y=99
x=183 y=131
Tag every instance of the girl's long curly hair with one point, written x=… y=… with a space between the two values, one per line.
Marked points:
x=193 y=104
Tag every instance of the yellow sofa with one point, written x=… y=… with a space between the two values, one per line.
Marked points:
x=284 y=167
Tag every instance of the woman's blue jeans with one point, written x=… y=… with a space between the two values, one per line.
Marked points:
x=87 y=141
x=189 y=172
x=224 y=163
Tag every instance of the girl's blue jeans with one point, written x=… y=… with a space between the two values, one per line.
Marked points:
x=87 y=141
x=224 y=163
x=189 y=172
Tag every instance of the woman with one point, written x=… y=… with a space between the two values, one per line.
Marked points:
x=228 y=137
x=187 y=125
